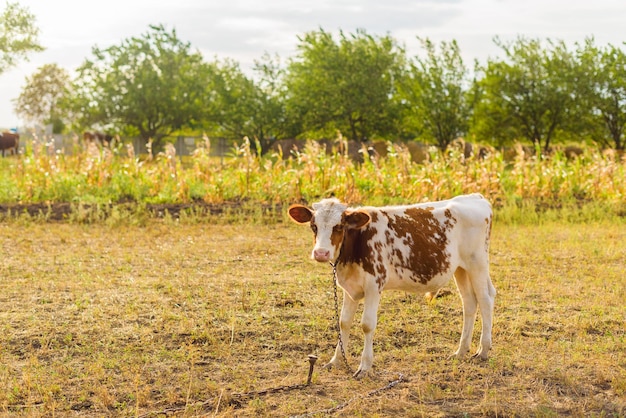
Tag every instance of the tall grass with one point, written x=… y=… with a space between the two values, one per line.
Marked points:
x=105 y=176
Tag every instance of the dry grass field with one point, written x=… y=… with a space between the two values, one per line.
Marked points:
x=177 y=318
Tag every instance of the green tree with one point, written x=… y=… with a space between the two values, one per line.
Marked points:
x=345 y=85
x=435 y=94
x=40 y=99
x=529 y=96
x=152 y=85
x=240 y=106
x=271 y=115
x=603 y=102
x=18 y=35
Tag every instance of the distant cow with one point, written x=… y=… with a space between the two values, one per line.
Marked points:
x=99 y=137
x=572 y=152
x=413 y=248
x=287 y=147
x=9 y=141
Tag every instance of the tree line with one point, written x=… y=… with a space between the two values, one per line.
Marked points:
x=363 y=86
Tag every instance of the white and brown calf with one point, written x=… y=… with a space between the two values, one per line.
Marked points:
x=414 y=248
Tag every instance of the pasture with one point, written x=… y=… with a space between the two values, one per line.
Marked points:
x=175 y=318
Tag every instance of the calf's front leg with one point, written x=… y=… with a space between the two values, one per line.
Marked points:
x=348 y=310
x=368 y=323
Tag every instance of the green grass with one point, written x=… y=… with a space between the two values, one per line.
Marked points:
x=177 y=316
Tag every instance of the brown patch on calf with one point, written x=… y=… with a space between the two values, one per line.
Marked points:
x=356 y=248
x=381 y=270
x=427 y=239
x=314 y=229
x=488 y=221
x=336 y=237
x=450 y=220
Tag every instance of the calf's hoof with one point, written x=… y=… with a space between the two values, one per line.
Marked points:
x=459 y=355
x=481 y=355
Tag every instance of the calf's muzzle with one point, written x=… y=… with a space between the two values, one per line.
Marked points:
x=321 y=255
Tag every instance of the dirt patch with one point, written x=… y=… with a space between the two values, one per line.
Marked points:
x=63 y=211
x=54 y=211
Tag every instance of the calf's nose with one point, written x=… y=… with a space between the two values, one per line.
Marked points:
x=321 y=254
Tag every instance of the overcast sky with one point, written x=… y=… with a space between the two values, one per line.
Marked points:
x=245 y=29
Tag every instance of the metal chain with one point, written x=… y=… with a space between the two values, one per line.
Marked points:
x=237 y=398
x=343 y=352
x=339 y=407
x=241 y=396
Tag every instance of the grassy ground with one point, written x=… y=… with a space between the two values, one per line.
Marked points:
x=174 y=318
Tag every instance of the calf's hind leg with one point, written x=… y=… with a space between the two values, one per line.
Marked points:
x=485 y=294
x=470 y=306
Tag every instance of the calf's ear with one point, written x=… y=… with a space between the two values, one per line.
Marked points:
x=300 y=214
x=357 y=219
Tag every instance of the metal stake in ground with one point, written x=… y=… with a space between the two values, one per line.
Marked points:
x=312 y=360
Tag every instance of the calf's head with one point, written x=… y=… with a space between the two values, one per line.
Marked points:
x=329 y=220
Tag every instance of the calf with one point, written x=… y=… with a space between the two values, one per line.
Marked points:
x=97 y=137
x=9 y=141
x=413 y=248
